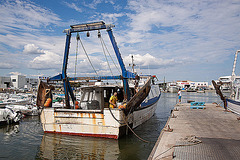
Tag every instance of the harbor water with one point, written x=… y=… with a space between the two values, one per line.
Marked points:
x=26 y=140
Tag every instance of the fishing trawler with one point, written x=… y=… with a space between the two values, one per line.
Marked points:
x=91 y=116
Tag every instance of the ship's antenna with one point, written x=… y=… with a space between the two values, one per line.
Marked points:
x=132 y=65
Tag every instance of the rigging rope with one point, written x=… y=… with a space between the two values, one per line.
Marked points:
x=101 y=40
x=78 y=38
x=75 y=74
x=109 y=54
x=88 y=57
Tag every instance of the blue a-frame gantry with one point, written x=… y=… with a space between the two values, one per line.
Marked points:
x=63 y=76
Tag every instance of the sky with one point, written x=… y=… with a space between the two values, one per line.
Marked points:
x=178 y=40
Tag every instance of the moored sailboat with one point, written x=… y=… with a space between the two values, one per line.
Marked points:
x=231 y=102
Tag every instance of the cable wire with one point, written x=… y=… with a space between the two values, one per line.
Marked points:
x=88 y=56
x=110 y=55
x=101 y=40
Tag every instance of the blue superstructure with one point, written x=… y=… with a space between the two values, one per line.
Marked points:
x=63 y=76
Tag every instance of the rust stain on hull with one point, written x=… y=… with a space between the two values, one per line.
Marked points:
x=60 y=128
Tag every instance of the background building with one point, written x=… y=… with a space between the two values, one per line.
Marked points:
x=5 y=82
x=31 y=83
x=193 y=85
x=18 y=81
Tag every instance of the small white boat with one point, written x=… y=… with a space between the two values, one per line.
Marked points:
x=27 y=110
x=14 y=99
x=8 y=116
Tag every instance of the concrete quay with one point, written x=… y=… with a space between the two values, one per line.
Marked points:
x=192 y=134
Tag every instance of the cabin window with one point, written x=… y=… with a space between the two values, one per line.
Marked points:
x=90 y=96
x=105 y=93
x=85 y=98
x=89 y=100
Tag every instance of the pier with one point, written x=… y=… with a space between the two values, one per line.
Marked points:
x=208 y=132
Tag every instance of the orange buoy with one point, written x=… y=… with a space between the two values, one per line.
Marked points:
x=122 y=106
x=76 y=105
x=48 y=102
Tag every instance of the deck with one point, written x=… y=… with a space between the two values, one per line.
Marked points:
x=208 y=133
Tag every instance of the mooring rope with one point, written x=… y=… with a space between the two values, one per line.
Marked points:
x=125 y=122
x=197 y=141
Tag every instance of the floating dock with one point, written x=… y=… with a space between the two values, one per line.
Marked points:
x=208 y=132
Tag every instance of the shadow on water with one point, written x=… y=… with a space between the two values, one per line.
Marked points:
x=27 y=140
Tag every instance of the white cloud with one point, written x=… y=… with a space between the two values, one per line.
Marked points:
x=23 y=24
x=15 y=73
x=182 y=30
x=111 y=17
x=148 y=61
x=4 y=65
x=73 y=6
x=172 y=32
x=94 y=4
x=24 y=15
x=32 y=49
x=48 y=60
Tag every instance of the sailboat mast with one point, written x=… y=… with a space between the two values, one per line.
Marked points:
x=234 y=65
x=233 y=73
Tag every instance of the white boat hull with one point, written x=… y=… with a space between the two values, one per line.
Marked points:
x=143 y=115
x=8 y=116
x=233 y=106
x=84 y=123
x=20 y=102
x=93 y=122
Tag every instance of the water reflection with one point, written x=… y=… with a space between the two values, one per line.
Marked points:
x=9 y=130
x=57 y=146
x=27 y=141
